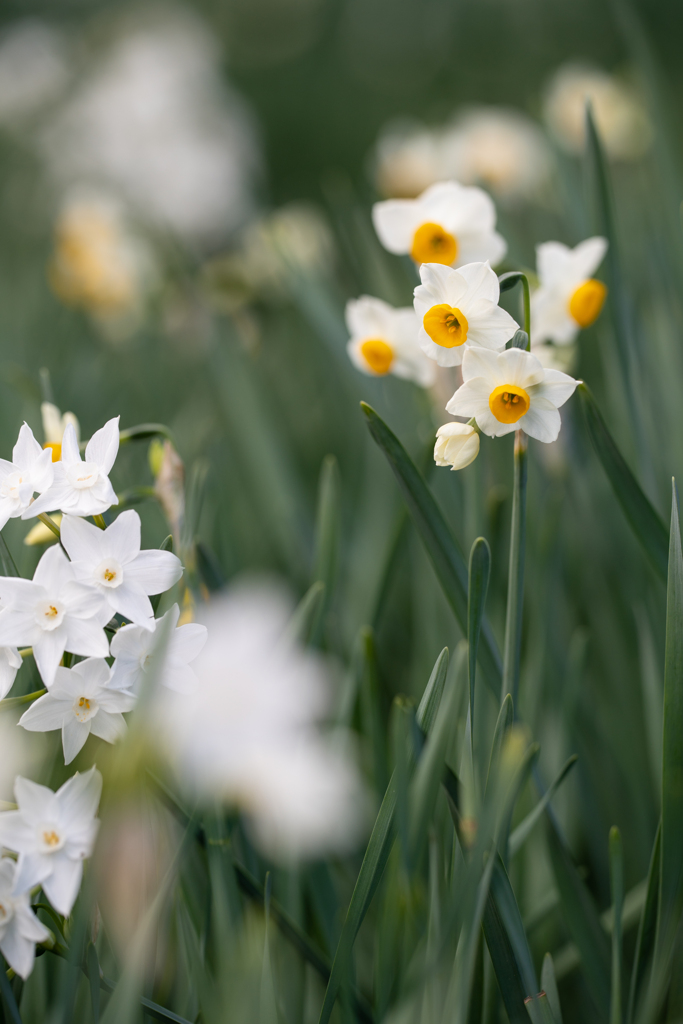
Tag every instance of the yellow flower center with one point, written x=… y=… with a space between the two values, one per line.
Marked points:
x=378 y=355
x=51 y=838
x=433 y=244
x=446 y=325
x=56 y=449
x=109 y=575
x=508 y=403
x=587 y=301
x=51 y=612
x=84 y=703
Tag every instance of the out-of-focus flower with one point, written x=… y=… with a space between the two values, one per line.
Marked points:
x=459 y=308
x=18 y=755
x=499 y=148
x=10 y=663
x=556 y=357
x=53 y=833
x=408 y=159
x=99 y=263
x=620 y=115
x=111 y=560
x=457 y=445
x=134 y=649
x=568 y=298
x=169 y=484
x=34 y=69
x=20 y=929
x=508 y=390
x=154 y=122
x=29 y=471
x=448 y=224
x=42 y=534
x=82 y=488
x=384 y=340
x=54 y=425
x=81 y=702
x=53 y=612
x=249 y=733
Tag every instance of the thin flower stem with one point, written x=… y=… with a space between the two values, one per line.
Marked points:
x=16 y=702
x=527 y=309
x=50 y=523
x=99 y=521
x=26 y=652
x=513 y=620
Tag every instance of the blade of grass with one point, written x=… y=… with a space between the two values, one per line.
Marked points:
x=478 y=585
x=8 y=994
x=616 y=866
x=523 y=830
x=515 y=598
x=306 y=614
x=508 y=946
x=94 y=979
x=647 y=928
x=503 y=723
x=549 y=986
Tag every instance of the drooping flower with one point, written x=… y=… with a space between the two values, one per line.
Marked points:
x=249 y=734
x=10 y=663
x=448 y=224
x=459 y=308
x=53 y=833
x=569 y=297
x=111 y=560
x=457 y=445
x=20 y=929
x=384 y=340
x=134 y=648
x=508 y=390
x=82 y=488
x=81 y=701
x=53 y=613
x=29 y=471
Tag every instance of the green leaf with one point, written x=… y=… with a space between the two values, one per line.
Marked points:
x=508 y=946
x=549 y=986
x=327 y=524
x=479 y=573
x=306 y=613
x=642 y=517
x=523 y=830
x=616 y=871
x=540 y=1009
x=505 y=719
x=9 y=566
x=8 y=994
x=144 y=431
x=647 y=928
x=208 y=567
x=94 y=979
x=444 y=552
x=515 y=596
x=372 y=712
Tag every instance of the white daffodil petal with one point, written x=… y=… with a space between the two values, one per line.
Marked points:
x=542 y=421
x=62 y=884
x=74 y=735
x=103 y=446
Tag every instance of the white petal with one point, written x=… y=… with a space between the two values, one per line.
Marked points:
x=542 y=421
x=27 y=449
x=129 y=641
x=154 y=572
x=86 y=637
x=130 y=602
x=471 y=398
x=109 y=726
x=123 y=538
x=36 y=802
x=103 y=446
x=480 y=362
x=18 y=627
x=83 y=541
x=94 y=672
x=80 y=796
x=45 y=714
x=396 y=221
x=15 y=833
x=55 y=497
x=18 y=951
x=186 y=642
x=482 y=282
x=557 y=387
x=48 y=650
x=70 y=452
x=32 y=868
x=74 y=735
x=516 y=366
x=489 y=325
x=587 y=256
x=481 y=248
x=553 y=260
x=61 y=888
x=53 y=570
x=8 y=668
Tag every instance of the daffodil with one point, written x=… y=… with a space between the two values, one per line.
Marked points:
x=384 y=340
x=53 y=833
x=111 y=561
x=81 y=701
x=54 y=425
x=82 y=487
x=134 y=648
x=509 y=390
x=569 y=297
x=20 y=929
x=29 y=471
x=457 y=445
x=448 y=224
x=459 y=308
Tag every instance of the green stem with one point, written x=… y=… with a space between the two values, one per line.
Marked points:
x=50 y=523
x=513 y=620
x=527 y=309
x=16 y=702
x=99 y=521
x=616 y=865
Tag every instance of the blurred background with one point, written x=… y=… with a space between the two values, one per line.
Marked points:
x=185 y=196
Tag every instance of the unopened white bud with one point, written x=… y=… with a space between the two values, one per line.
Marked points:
x=457 y=444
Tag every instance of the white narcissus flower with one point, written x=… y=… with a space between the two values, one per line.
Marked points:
x=134 y=647
x=20 y=929
x=457 y=445
x=52 y=613
x=569 y=297
x=82 y=488
x=29 y=471
x=81 y=701
x=10 y=663
x=111 y=560
x=384 y=340
x=459 y=308
x=510 y=390
x=448 y=224
x=53 y=833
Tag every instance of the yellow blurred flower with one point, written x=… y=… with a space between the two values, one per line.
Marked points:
x=41 y=534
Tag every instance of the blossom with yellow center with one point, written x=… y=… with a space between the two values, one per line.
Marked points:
x=385 y=340
x=458 y=308
x=509 y=390
x=457 y=445
x=568 y=298
x=448 y=224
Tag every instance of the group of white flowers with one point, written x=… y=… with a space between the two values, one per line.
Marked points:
x=456 y=321
x=237 y=719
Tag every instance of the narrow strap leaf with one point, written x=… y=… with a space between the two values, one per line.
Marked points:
x=523 y=830
x=508 y=944
x=503 y=723
x=616 y=870
x=94 y=979
x=647 y=928
x=479 y=573
x=9 y=566
x=8 y=994
x=302 y=622
x=549 y=986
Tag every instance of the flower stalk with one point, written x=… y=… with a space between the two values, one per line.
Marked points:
x=515 y=600
x=50 y=523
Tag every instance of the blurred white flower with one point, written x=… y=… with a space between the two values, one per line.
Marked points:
x=18 y=754
x=620 y=115
x=53 y=613
x=29 y=471
x=249 y=733
x=81 y=701
x=111 y=560
x=82 y=487
x=448 y=224
x=10 y=663
x=568 y=297
x=457 y=445
x=508 y=390
x=384 y=340
x=20 y=929
x=54 y=425
x=154 y=122
x=53 y=833
x=459 y=308
x=408 y=159
x=556 y=357
x=134 y=649
x=34 y=69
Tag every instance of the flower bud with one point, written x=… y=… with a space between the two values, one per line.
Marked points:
x=457 y=444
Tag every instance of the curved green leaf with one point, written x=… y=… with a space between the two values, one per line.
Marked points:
x=479 y=573
x=508 y=946
x=523 y=830
x=645 y=943
x=549 y=986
